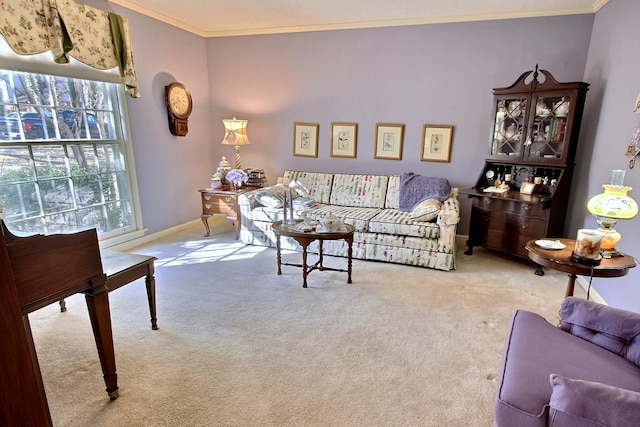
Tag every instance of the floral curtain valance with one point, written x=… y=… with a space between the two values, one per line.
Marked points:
x=92 y=36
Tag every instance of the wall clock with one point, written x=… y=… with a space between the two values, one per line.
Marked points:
x=179 y=105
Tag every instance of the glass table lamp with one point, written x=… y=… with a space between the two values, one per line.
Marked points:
x=609 y=207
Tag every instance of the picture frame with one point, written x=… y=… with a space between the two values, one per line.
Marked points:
x=436 y=143
x=344 y=139
x=527 y=187
x=389 y=139
x=305 y=139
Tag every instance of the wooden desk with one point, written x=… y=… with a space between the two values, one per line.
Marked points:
x=220 y=201
x=304 y=238
x=122 y=268
x=560 y=260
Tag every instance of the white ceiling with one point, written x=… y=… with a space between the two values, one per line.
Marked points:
x=219 y=18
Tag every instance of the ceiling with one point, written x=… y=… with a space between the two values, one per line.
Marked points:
x=221 y=18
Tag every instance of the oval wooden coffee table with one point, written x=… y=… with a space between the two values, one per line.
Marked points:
x=560 y=259
x=304 y=238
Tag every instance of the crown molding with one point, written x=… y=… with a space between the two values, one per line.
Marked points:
x=597 y=5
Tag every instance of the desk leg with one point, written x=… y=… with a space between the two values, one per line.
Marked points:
x=570 y=285
x=98 y=305
x=278 y=255
x=349 y=257
x=204 y=219
x=150 y=281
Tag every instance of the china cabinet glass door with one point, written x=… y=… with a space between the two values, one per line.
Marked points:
x=510 y=126
x=548 y=128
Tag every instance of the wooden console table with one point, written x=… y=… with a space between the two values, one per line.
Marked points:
x=560 y=260
x=220 y=201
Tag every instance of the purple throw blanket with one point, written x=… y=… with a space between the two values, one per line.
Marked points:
x=416 y=188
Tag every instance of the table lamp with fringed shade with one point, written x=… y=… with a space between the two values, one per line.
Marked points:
x=609 y=207
x=235 y=133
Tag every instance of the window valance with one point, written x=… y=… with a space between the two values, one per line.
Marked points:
x=92 y=36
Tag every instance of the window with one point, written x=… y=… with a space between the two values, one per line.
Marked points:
x=63 y=155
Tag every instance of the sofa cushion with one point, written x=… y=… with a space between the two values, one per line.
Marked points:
x=534 y=350
x=272 y=197
x=358 y=217
x=393 y=221
x=393 y=193
x=318 y=184
x=426 y=210
x=361 y=191
x=587 y=403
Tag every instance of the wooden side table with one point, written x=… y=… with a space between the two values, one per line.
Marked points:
x=560 y=260
x=304 y=238
x=220 y=201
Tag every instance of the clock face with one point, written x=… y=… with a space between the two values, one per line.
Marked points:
x=179 y=100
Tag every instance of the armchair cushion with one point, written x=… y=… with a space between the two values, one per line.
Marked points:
x=587 y=403
x=611 y=328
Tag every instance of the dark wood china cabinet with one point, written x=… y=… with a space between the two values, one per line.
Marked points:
x=532 y=147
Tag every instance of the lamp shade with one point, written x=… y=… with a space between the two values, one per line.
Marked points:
x=613 y=203
x=235 y=132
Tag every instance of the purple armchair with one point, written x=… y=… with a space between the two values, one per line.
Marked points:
x=584 y=373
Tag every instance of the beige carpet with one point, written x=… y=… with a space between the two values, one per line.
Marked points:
x=239 y=345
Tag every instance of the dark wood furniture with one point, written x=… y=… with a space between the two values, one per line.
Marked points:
x=37 y=271
x=304 y=238
x=215 y=201
x=536 y=122
x=560 y=260
x=122 y=268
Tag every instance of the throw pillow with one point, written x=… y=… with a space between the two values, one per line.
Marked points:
x=426 y=210
x=590 y=403
x=270 y=198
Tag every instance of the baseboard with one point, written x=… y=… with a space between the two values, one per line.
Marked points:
x=125 y=246
x=583 y=282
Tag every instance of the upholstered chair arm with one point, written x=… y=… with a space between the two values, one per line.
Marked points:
x=611 y=328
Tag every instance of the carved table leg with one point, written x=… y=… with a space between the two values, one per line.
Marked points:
x=98 y=306
x=278 y=255
x=349 y=257
x=63 y=305
x=150 y=282
x=204 y=219
x=305 y=268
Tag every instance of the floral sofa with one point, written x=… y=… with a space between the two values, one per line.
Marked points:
x=424 y=236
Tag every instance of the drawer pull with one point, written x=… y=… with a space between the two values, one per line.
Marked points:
x=525 y=225
x=207 y=198
x=487 y=201
x=207 y=205
x=228 y=199
x=526 y=206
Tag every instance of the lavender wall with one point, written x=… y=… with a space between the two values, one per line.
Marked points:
x=416 y=75
x=613 y=70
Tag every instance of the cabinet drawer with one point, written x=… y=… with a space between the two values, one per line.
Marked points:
x=218 y=204
x=505 y=241
x=512 y=223
x=519 y=208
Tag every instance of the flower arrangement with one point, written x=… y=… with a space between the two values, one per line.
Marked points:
x=237 y=177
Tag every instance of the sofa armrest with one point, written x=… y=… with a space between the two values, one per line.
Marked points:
x=611 y=328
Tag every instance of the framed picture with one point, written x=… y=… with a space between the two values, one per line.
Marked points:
x=344 y=139
x=436 y=143
x=389 y=141
x=527 y=187
x=305 y=139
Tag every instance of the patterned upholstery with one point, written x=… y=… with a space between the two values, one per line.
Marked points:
x=370 y=204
